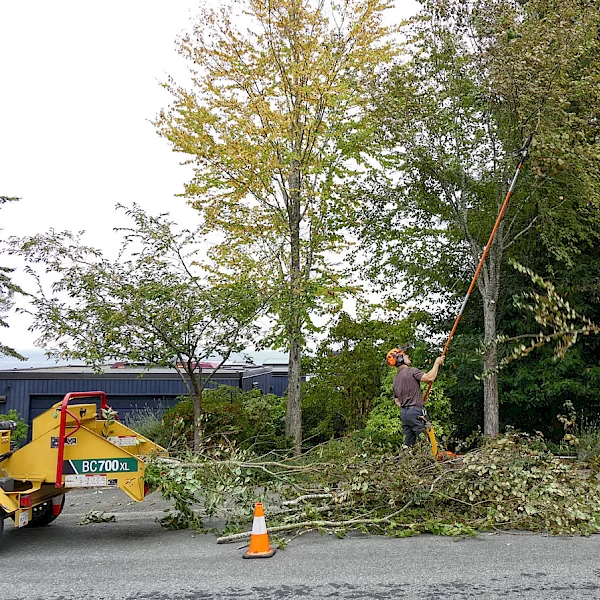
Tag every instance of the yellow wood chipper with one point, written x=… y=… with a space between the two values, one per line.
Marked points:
x=72 y=446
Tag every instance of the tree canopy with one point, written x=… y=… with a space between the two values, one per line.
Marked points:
x=318 y=134
x=153 y=304
x=273 y=123
x=477 y=80
x=7 y=291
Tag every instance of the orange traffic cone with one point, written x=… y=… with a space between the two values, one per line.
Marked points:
x=259 y=538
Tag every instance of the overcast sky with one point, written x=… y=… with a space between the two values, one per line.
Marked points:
x=79 y=83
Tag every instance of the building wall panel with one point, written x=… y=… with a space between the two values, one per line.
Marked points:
x=31 y=392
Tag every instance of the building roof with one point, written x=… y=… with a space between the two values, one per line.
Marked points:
x=121 y=370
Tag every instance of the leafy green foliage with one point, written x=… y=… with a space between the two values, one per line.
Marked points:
x=558 y=322
x=177 y=431
x=274 y=126
x=385 y=423
x=511 y=482
x=548 y=321
x=19 y=434
x=7 y=291
x=581 y=439
x=229 y=416
x=154 y=305
x=479 y=77
x=348 y=369
x=588 y=448
x=109 y=417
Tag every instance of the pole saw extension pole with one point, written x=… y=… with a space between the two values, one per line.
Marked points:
x=513 y=184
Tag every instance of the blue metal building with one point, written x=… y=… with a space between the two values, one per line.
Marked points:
x=128 y=388
x=279 y=376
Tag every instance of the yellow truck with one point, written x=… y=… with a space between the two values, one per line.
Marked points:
x=72 y=446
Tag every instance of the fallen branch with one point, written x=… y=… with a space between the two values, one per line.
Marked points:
x=313 y=524
x=96 y=516
x=509 y=482
x=306 y=497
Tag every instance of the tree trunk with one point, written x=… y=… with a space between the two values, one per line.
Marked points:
x=491 y=406
x=293 y=418
x=197 y=401
x=489 y=287
x=197 y=404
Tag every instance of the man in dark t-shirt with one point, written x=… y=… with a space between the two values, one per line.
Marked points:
x=408 y=396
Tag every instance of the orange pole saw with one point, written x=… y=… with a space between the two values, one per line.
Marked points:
x=523 y=155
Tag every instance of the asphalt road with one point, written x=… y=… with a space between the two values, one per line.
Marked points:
x=133 y=558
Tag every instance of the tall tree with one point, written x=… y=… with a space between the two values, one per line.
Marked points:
x=273 y=124
x=479 y=77
x=152 y=304
x=7 y=291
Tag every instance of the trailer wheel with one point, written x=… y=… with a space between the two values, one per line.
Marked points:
x=43 y=515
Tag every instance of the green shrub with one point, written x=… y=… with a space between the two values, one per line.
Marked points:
x=581 y=437
x=177 y=426
x=19 y=435
x=229 y=415
x=384 y=424
x=588 y=449
x=266 y=414
x=323 y=413
x=147 y=422
x=348 y=370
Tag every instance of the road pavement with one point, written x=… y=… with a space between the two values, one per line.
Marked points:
x=134 y=558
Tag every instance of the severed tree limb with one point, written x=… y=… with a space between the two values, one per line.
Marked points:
x=312 y=524
x=306 y=497
x=290 y=468
x=384 y=520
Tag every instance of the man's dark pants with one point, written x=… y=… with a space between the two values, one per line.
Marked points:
x=412 y=425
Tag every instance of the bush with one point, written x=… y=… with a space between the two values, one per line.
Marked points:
x=147 y=422
x=588 y=448
x=19 y=435
x=229 y=415
x=177 y=426
x=348 y=370
x=384 y=424
x=323 y=415
x=266 y=415
x=581 y=438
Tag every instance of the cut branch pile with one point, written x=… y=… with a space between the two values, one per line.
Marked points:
x=510 y=483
